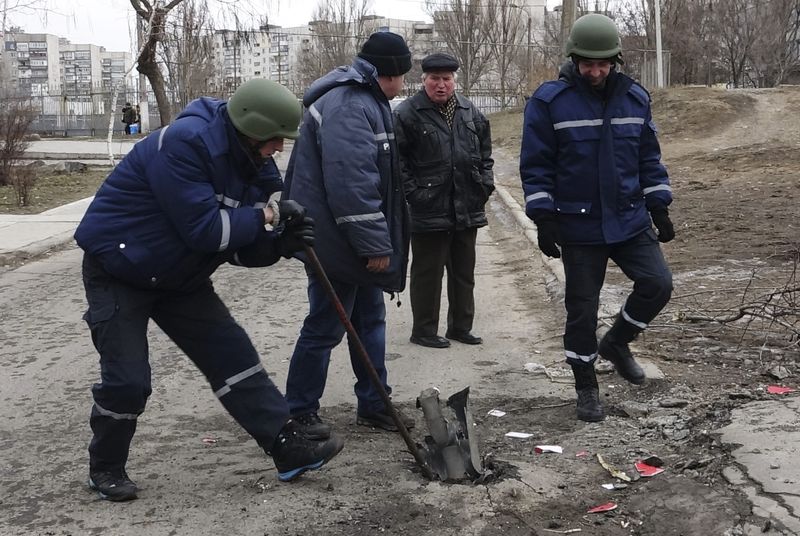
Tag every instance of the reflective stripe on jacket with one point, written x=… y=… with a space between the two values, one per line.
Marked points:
x=186 y=199
x=343 y=169
x=595 y=164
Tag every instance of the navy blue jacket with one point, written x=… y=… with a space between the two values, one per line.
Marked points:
x=186 y=199
x=592 y=159
x=344 y=170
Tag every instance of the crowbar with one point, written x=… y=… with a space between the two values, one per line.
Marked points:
x=362 y=354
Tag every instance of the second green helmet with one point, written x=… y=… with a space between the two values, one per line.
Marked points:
x=262 y=109
x=594 y=36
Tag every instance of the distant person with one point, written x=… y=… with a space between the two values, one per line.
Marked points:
x=445 y=148
x=343 y=169
x=185 y=200
x=128 y=117
x=593 y=180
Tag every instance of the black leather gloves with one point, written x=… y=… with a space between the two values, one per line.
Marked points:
x=548 y=235
x=290 y=212
x=663 y=224
x=296 y=235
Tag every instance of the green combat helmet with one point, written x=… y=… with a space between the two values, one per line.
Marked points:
x=262 y=109
x=595 y=37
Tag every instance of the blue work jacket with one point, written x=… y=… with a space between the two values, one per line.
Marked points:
x=344 y=169
x=186 y=199
x=592 y=159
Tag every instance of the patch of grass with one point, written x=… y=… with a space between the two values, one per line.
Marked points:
x=53 y=190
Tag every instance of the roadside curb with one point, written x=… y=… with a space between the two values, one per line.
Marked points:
x=554 y=266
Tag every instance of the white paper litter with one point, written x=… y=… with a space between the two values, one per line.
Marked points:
x=519 y=435
x=496 y=413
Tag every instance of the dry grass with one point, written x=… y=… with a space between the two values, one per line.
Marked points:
x=53 y=190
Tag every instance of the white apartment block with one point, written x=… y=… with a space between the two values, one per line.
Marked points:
x=44 y=64
x=32 y=63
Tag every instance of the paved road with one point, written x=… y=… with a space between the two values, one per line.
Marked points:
x=48 y=364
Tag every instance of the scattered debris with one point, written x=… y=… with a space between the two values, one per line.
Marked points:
x=519 y=435
x=608 y=486
x=779 y=390
x=647 y=470
x=654 y=461
x=539 y=449
x=582 y=454
x=496 y=413
x=535 y=368
x=779 y=372
x=210 y=440
x=568 y=531
x=673 y=403
x=616 y=473
x=607 y=507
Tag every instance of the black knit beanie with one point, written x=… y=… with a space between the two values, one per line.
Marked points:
x=388 y=52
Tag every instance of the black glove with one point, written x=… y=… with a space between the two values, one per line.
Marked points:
x=290 y=212
x=549 y=236
x=664 y=225
x=295 y=237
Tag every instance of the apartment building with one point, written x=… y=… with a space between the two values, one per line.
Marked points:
x=32 y=63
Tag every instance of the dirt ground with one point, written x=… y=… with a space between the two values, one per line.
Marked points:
x=733 y=159
x=53 y=189
x=734 y=163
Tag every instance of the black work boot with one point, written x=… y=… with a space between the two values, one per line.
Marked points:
x=588 y=407
x=614 y=347
x=382 y=419
x=294 y=453
x=112 y=485
x=312 y=426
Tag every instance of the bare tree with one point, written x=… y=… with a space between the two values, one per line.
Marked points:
x=506 y=32
x=462 y=26
x=188 y=52
x=775 y=50
x=152 y=14
x=337 y=28
x=735 y=23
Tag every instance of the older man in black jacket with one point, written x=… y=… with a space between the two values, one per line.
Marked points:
x=446 y=160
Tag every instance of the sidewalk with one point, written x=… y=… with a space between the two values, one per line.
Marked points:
x=32 y=234
x=70 y=149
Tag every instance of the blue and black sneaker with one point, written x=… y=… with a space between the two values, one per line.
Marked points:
x=294 y=453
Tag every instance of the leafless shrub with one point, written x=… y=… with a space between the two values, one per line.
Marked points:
x=23 y=179
x=16 y=116
x=769 y=312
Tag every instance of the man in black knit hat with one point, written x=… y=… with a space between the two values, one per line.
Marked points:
x=342 y=169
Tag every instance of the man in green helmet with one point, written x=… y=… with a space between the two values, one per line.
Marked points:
x=595 y=186
x=186 y=199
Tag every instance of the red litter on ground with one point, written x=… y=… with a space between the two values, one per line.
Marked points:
x=647 y=470
x=582 y=454
x=607 y=507
x=779 y=390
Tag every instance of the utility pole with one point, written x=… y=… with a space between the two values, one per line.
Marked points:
x=659 y=58
x=568 y=9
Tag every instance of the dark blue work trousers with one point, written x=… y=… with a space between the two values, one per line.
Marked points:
x=639 y=258
x=200 y=324
x=322 y=330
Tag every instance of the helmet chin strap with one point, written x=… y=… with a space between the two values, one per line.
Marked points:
x=253 y=149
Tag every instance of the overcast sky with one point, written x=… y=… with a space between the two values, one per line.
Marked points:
x=106 y=22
